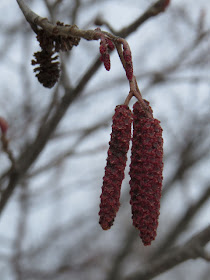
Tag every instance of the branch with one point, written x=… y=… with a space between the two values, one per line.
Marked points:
x=155 y=9
x=31 y=153
x=121 y=255
x=75 y=11
x=33 y=150
x=5 y=141
x=192 y=249
x=62 y=156
x=182 y=224
x=7 y=150
x=72 y=30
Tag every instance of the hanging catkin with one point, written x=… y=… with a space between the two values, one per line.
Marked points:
x=116 y=162
x=146 y=172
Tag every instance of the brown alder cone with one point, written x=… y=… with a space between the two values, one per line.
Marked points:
x=48 y=71
x=49 y=68
x=146 y=172
x=116 y=162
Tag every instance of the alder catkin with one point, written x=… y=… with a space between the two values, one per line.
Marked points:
x=128 y=61
x=146 y=172
x=116 y=162
x=105 y=46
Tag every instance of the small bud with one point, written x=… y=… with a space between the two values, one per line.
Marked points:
x=106 y=60
x=110 y=44
x=103 y=48
x=128 y=61
x=105 y=45
x=3 y=125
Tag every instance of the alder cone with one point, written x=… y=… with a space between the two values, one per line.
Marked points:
x=48 y=70
x=116 y=162
x=48 y=66
x=146 y=172
x=64 y=43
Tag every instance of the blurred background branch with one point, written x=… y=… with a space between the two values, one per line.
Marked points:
x=59 y=138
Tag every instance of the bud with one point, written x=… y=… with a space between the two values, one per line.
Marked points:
x=116 y=162
x=105 y=58
x=3 y=125
x=105 y=45
x=128 y=61
x=103 y=49
x=110 y=44
x=146 y=172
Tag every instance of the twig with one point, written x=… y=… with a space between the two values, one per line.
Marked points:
x=6 y=149
x=192 y=249
x=75 y=11
x=72 y=30
x=32 y=151
x=56 y=30
x=121 y=255
x=152 y=11
x=62 y=156
x=182 y=224
x=20 y=233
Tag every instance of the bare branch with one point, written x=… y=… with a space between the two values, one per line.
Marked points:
x=6 y=149
x=182 y=224
x=155 y=9
x=75 y=10
x=192 y=249
x=31 y=153
x=121 y=255
x=62 y=156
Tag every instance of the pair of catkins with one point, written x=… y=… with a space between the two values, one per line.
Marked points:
x=145 y=169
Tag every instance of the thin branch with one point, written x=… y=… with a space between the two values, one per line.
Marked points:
x=33 y=150
x=56 y=30
x=182 y=224
x=75 y=11
x=192 y=249
x=7 y=150
x=20 y=233
x=121 y=255
x=155 y=9
x=62 y=156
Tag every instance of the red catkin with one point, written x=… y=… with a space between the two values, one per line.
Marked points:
x=105 y=45
x=105 y=58
x=110 y=44
x=103 y=48
x=3 y=125
x=116 y=162
x=146 y=172
x=128 y=61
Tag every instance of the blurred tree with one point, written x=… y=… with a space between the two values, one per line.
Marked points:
x=54 y=150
